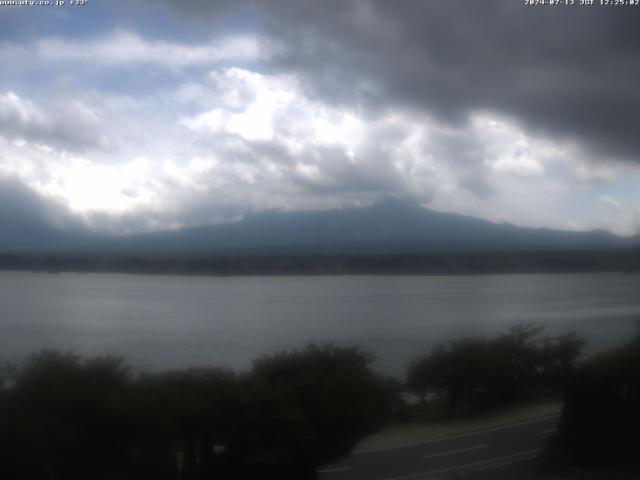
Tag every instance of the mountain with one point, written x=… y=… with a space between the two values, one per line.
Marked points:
x=390 y=226
x=27 y=221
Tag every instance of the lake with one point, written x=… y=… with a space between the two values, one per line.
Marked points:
x=161 y=322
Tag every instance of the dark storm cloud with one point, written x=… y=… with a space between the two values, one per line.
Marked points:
x=24 y=213
x=567 y=72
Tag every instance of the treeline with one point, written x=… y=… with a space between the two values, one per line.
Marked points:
x=601 y=416
x=476 y=373
x=313 y=264
x=64 y=417
x=600 y=419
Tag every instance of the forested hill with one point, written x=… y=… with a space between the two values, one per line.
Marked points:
x=388 y=227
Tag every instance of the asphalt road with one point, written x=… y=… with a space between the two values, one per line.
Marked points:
x=468 y=453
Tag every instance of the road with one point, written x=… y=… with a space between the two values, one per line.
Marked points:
x=465 y=453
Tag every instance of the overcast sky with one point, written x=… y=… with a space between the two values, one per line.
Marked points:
x=137 y=115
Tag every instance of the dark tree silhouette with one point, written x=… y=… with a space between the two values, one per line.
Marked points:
x=66 y=418
x=601 y=416
x=310 y=407
x=478 y=373
x=181 y=417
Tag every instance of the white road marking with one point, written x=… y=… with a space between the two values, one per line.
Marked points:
x=497 y=461
x=547 y=432
x=456 y=436
x=451 y=452
x=332 y=470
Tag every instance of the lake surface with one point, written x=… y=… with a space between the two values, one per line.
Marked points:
x=161 y=322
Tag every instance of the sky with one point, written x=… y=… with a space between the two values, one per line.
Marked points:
x=127 y=116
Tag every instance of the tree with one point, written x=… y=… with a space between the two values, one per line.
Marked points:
x=181 y=417
x=467 y=372
x=476 y=373
x=310 y=407
x=560 y=357
x=71 y=418
x=601 y=416
x=66 y=416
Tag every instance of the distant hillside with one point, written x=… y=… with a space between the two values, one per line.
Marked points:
x=390 y=226
x=28 y=222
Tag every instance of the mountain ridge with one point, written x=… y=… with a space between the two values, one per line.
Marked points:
x=388 y=226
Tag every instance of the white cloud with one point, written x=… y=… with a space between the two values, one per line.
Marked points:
x=255 y=107
x=70 y=122
x=594 y=174
x=608 y=201
x=310 y=171
x=122 y=47
x=237 y=140
x=518 y=165
x=14 y=110
x=249 y=102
